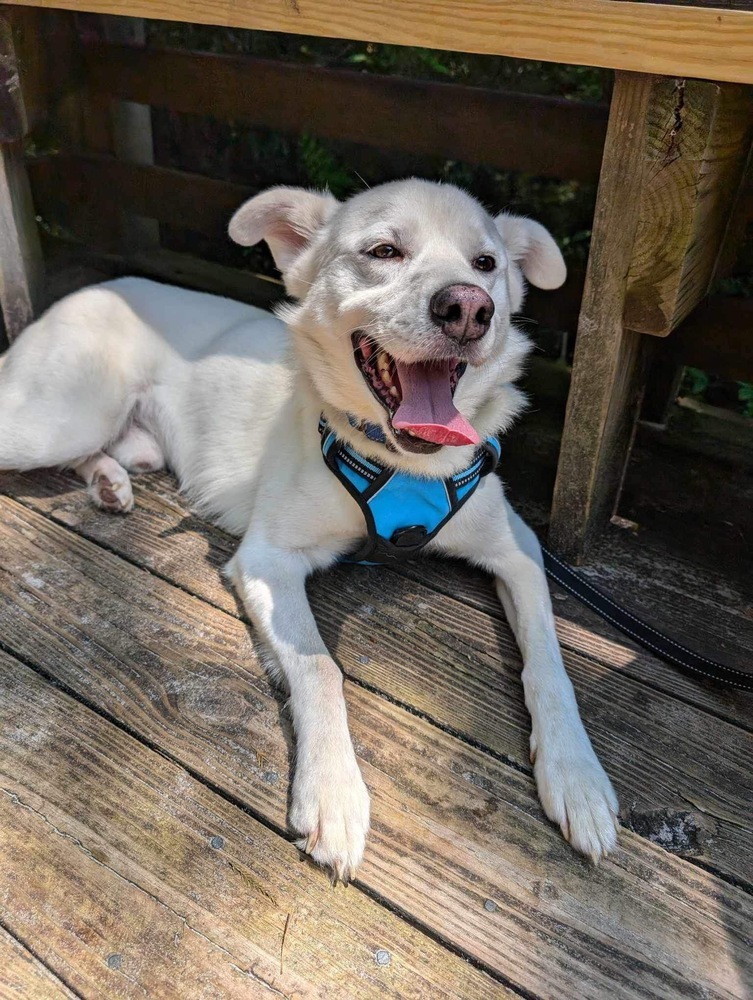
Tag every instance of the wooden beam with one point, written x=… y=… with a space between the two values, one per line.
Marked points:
x=665 y=39
x=674 y=159
x=13 y=122
x=21 y=267
x=24 y=73
x=73 y=190
x=697 y=140
x=20 y=254
x=546 y=136
x=602 y=395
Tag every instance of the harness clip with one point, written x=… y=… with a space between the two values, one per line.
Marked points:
x=409 y=538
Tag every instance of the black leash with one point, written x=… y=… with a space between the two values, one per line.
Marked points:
x=658 y=643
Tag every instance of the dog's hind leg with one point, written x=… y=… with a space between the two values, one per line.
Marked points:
x=108 y=483
x=138 y=451
x=53 y=414
x=106 y=473
x=70 y=384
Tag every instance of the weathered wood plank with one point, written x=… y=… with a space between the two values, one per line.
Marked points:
x=20 y=255
x=76 y=189
x=73 y=267
x=650 y=38
x=645 y=584
x=133 y=877
x=23 y=977
x=540 y=135
x=461 y=668
x=13 y=119
x=558 y=309
x=452 y=826
x=604 y=387
x=698 y=135
x=21 y=267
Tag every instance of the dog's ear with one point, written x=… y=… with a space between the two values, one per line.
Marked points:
x=532 y=247
x=286 y=217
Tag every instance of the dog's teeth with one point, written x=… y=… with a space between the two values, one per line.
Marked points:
x=393 y=391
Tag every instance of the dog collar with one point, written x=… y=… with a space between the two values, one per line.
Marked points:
x=402 y=512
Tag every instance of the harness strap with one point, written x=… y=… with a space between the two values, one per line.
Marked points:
x=367 y=481
x=402 y=513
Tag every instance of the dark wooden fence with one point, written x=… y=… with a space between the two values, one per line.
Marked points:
x=88 y=191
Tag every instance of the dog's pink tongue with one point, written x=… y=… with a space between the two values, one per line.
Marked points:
x=427 y=408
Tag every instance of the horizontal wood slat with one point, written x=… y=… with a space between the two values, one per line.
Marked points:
x=651 y=38
x=547 y=136
x=76 y=191
x=85 y=186
x=21 y=974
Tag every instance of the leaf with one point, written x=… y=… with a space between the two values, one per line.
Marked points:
x=695 y=382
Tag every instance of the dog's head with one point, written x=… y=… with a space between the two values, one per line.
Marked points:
x=404 y=297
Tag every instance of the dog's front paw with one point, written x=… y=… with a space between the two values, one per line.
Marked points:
x=577 y=795
x=331 y=809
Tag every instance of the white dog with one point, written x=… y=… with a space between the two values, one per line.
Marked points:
x=400 y=337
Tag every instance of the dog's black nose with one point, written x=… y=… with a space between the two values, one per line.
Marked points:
x=463 y=311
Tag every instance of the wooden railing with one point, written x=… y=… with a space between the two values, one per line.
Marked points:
x=544 y=136
x=547 y=136
x=73 y=189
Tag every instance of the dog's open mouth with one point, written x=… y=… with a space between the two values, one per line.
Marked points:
x=418 y=397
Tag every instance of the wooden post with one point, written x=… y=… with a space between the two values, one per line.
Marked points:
x=605 y=379
x=674 y=157
x=21 y=269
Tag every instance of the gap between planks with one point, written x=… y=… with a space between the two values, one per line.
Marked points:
x=23 y=973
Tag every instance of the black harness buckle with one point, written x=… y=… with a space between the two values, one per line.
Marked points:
x=413 y=537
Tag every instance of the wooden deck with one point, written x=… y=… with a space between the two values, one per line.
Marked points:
x=145 y=761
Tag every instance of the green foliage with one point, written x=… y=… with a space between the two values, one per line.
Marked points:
x=581 y=83
x=708 y=388
x=323 y=170
x=695 y=382
x=745 y=396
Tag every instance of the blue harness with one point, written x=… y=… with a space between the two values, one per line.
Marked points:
x=402 y=512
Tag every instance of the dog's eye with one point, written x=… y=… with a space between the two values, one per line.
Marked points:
x=385 y=251
x=485 y=263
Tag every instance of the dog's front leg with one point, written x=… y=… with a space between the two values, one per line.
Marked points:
x=330 y=803
x=573 y=787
